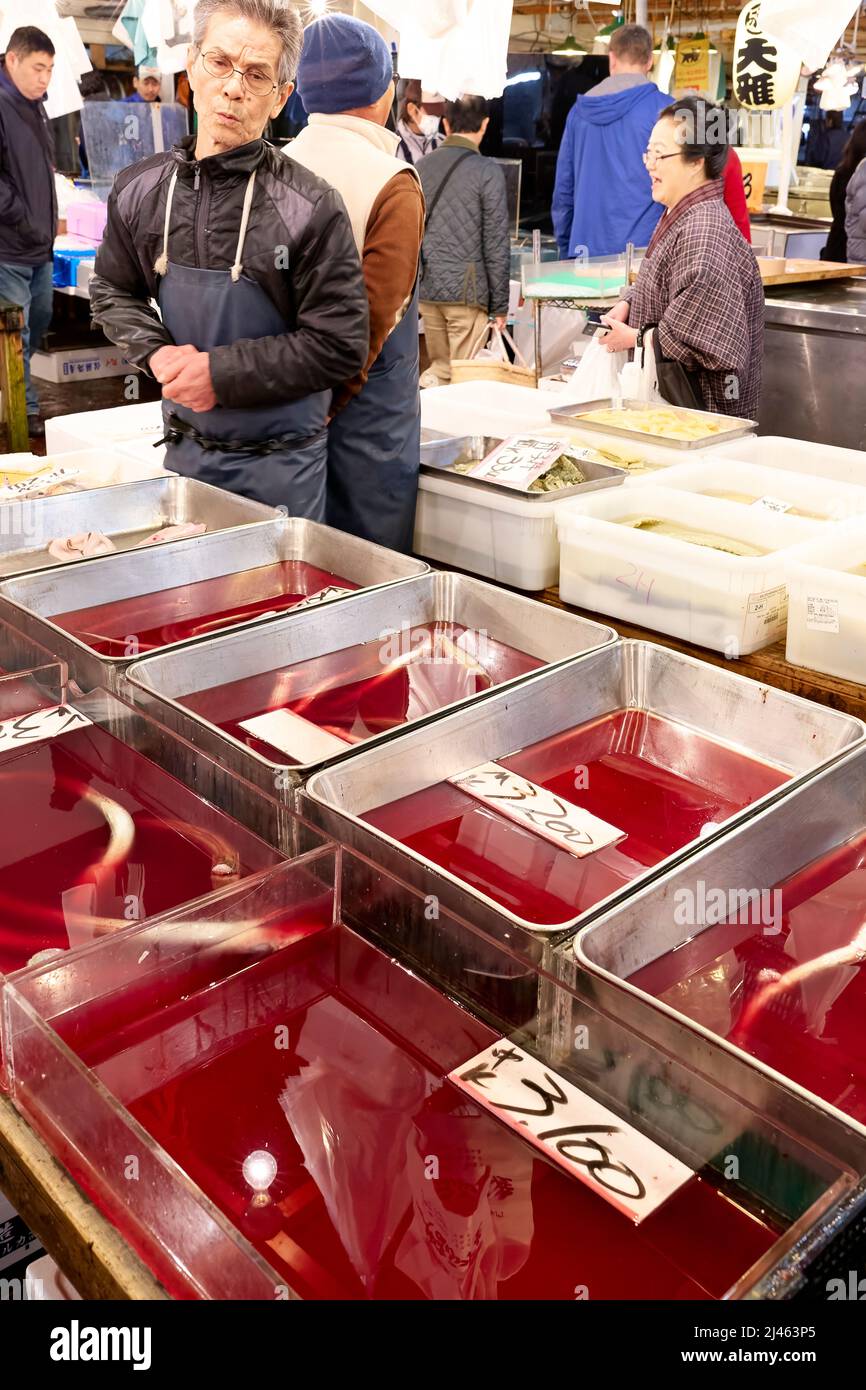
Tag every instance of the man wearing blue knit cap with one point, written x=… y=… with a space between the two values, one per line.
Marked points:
x=345 y=81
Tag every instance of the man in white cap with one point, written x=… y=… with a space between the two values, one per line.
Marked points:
x=418 y=122
x=345 y=80
x=147 y=83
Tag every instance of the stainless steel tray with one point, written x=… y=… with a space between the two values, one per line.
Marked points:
x=571 y=415
x=31 y=601
x=769 y=724
x=599 y=475
x=439 y=450
x=161 y=682
x=801 y=827
x=124 y=513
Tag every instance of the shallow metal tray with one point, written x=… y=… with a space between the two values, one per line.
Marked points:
x=31 y=601
x=572 y=415
x=440 y=450
x=804 y=825
x=27 y=527
x=769 y=724
x=159 y=683
x=599 y=475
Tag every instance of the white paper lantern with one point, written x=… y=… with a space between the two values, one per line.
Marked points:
x=766 y=73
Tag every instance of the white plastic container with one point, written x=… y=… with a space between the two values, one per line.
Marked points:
x=483 y=531
x=115 y=428
x=795 y=455
x=827 y=605
x=93 y=467
x=729 y=603
x=765 y=489
x=486 y=407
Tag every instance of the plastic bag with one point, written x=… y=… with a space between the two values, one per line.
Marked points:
x=597 y=376
x=639 y=379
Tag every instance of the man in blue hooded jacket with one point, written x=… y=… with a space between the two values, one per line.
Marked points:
x=602 y=198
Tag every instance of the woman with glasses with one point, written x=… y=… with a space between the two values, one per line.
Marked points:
x=699 y=288
x=252 y=261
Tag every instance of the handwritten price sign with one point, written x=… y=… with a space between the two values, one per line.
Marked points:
x=630 y=1171
x=565 y=825
x=322 y=596
x=41 y=724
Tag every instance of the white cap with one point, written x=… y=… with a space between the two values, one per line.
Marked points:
x=149 y=72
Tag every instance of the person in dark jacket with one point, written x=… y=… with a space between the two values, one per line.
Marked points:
x=601 y=201
x=855 y=151
x=28 y=202
x=466 y=257
x=253 y=264
x=827 y=140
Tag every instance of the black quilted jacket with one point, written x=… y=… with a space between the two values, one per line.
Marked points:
x=299 y=247
x=467 y=245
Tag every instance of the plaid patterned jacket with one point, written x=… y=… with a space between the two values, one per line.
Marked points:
x=701 y=285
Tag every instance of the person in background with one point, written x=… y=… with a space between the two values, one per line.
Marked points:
x=346 y=83
x=28 y=200
x=601 y=200
x=855 y=203
x=262 y=309
x=147 y=85
x=699 y=286
x=92 y=88
x=855 y=150
x=735 y=194
x=827 y=140
x=465 y=263
x=418 y=121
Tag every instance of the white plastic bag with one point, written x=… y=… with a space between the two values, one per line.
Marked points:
x=809 y=29
x=597 y=375
x=639 y=379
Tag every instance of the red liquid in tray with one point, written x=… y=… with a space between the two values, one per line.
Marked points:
x=658 y=781
x=95 y=836
x=737 y=978
x=365 y=690
x=351 y=1109
x=193 y=610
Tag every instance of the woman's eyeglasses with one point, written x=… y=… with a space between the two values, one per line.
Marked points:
x=257 y=81
x=649 y=157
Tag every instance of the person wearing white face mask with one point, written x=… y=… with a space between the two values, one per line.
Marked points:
x=418 y=124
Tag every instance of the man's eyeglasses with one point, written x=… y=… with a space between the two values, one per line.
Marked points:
x=257 y=81
x=649 y=157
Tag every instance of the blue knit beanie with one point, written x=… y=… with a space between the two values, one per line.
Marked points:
x=345 y=65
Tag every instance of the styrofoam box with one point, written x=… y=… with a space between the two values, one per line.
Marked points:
x=77 y=364
x=483 y=531
x=100 y=467
x=795 y=455
x=729 y=603
x=772 y=489
x=486 y=407
x=115 y=428
x=827 y=606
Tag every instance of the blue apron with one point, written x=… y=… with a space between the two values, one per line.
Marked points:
x=289 y=468
x=374 y=446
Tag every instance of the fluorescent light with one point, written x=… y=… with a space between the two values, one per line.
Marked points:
x=522 y=77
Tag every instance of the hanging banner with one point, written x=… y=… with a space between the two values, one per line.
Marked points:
x=765 y=73
x=692 y=67
x=808 y=28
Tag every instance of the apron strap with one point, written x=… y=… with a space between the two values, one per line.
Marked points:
x=161 y=263
x=248 y=202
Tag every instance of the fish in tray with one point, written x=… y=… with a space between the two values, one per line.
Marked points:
x=728 y=545
x=658 y=421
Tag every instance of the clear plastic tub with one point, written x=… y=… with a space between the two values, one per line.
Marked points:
x=730 y=603
x=797 y=456
x=590 y=278
x=827 y=603
x=502 y=538
x=486 y=407
x=770 y=489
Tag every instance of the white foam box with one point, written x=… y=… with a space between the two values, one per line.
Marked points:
x=827 y=605
x=46 y=1282
x=80 y=364
x=731 y=604
x=769 y=489
x=486 y=407
x=481 y=530
x=796 y=456
x=122 y=428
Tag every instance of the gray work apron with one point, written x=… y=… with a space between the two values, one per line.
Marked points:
x=374 y=446
x=209 y=309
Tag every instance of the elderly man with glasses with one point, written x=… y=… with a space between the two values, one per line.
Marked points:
x=253 y=264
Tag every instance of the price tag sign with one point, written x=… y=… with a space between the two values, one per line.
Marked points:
x=299 y=738
x=518 y=461
x=40 y=725
x=822 y=614
x=565 y=825
x=321 y=596
x=766 y=616
x=773 y=504
x=630 y=1171
x=35 y=486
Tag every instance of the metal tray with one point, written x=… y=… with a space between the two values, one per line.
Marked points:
x=801 y=827
x=30 y=601
x=125 y=510
x=440 y=450
x=784 y=730
x=571 y=415
x=160 y=682
x=599 y=475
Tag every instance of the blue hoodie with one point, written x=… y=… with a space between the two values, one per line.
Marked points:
x=602 y=197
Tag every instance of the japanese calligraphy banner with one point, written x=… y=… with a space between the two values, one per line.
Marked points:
x=766 y=73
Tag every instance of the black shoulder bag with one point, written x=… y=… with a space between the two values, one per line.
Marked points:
x=677 y=385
